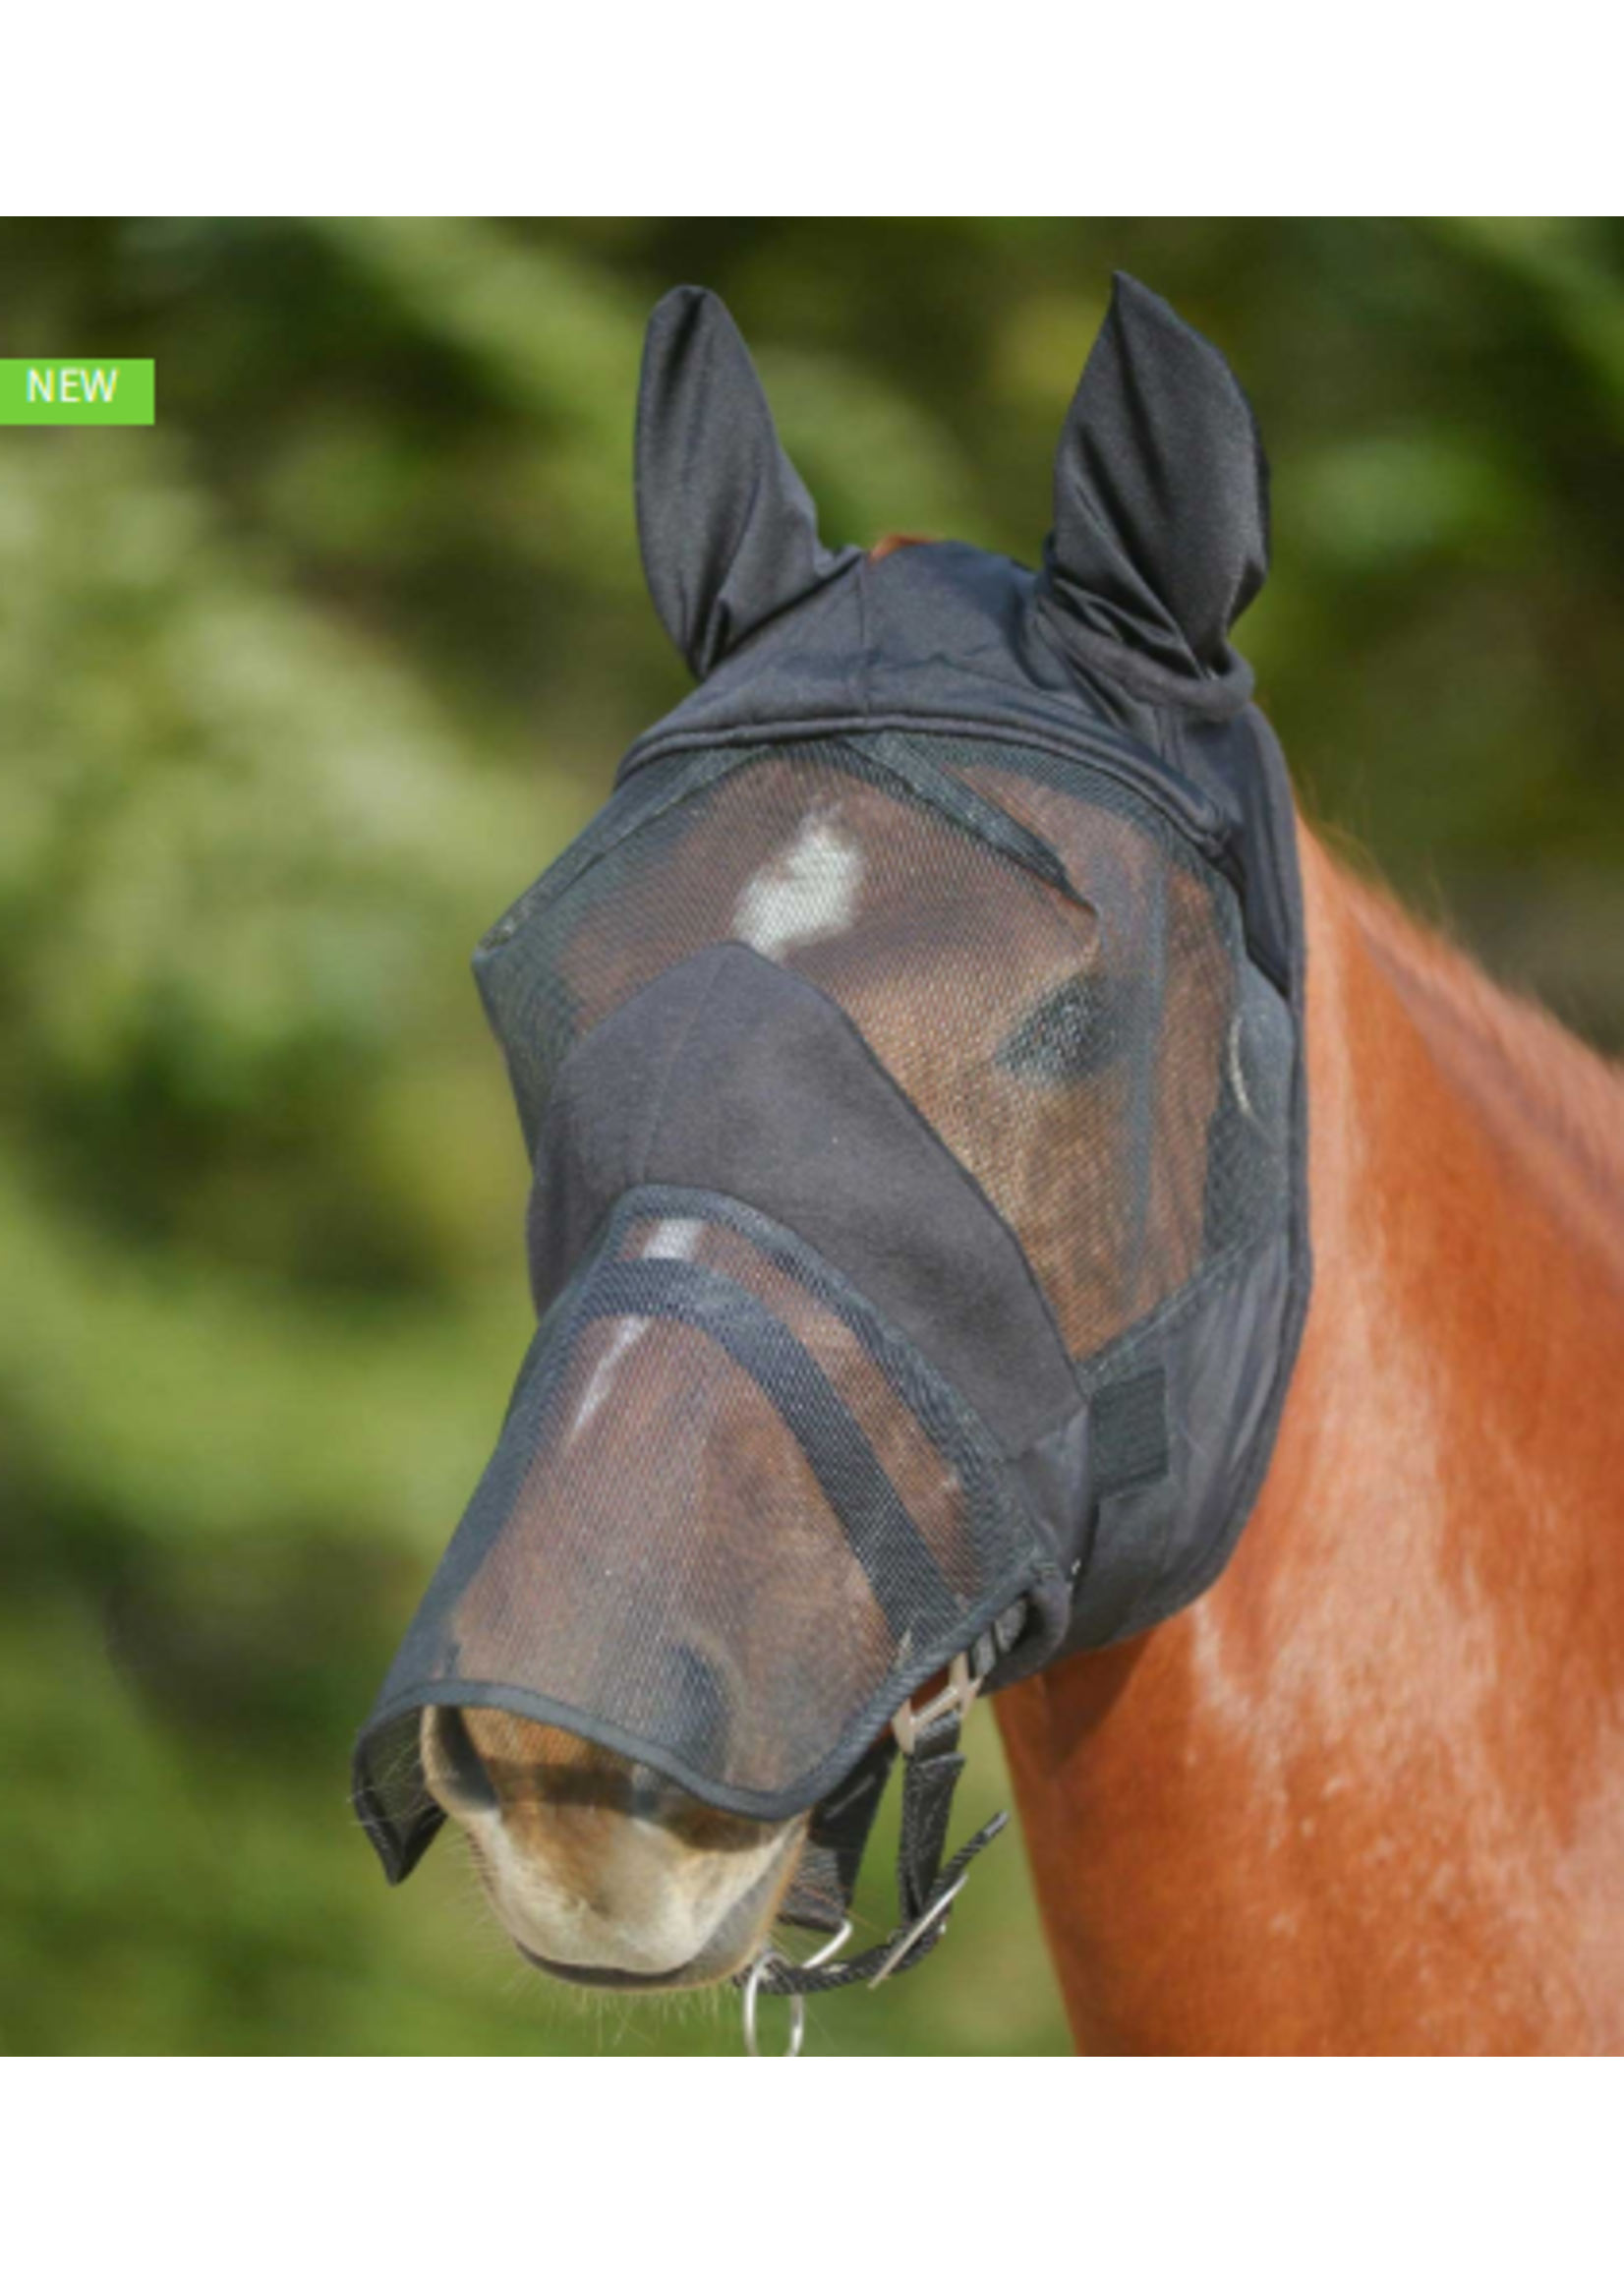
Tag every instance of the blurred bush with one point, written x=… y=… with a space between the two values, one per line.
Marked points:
x=300 y=687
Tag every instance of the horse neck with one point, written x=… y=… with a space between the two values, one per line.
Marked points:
x=1467 y=1196
x=1369 y=1789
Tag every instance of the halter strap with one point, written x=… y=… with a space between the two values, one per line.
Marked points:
x=926 y=1887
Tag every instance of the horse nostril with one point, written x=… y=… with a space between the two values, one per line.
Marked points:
x=696 y=1722
x=457 y=1766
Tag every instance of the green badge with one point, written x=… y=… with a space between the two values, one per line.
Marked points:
x=78 y=391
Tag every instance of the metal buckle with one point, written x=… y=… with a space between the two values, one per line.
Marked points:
x=957 y=1695
x=797 y=2003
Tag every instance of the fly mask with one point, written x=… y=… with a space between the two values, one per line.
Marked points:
x=909 y=1056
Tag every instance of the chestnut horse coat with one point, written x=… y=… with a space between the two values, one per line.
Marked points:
x=1366 y=1795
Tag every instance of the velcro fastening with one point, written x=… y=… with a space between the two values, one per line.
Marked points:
x=1128 y=1431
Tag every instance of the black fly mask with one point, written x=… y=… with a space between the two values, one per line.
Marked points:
x=910 y=1059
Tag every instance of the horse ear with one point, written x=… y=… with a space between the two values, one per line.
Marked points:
x=728 y=532
x=1161 y=533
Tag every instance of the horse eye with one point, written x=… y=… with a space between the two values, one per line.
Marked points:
x=1074 y=1033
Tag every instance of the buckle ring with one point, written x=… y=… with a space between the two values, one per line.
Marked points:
x=797 y=2003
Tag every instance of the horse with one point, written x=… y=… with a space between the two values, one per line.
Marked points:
x=1365 y=1793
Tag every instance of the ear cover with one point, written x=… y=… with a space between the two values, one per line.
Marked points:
x=729 y=534
x=1161 y=535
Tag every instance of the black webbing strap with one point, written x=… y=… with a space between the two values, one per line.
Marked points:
x=826 y=1878
x=925 y=1885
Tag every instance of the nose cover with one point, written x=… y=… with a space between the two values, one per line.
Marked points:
x=908 y=1056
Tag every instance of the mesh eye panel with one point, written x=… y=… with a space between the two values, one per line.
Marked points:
x=733 y=1521
x=1106 y=1063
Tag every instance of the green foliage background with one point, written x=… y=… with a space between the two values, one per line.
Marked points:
x=300 y=687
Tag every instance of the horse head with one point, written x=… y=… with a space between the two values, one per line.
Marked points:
x=907 y=1077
